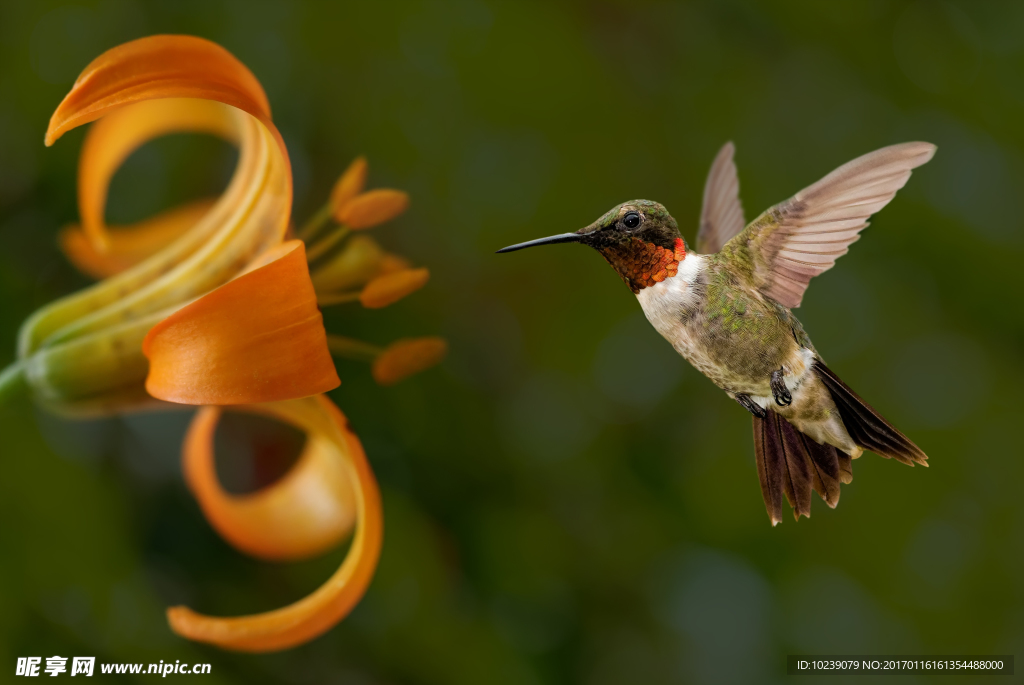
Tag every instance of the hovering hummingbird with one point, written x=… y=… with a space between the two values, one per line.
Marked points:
x=727 y=310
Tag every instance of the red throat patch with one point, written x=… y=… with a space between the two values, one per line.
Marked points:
x=680 y=251
x=641 y=264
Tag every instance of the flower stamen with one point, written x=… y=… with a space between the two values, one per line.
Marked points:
x=397 y=361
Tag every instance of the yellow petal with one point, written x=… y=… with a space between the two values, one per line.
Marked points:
x=392 y=287
x=306 y=512
x=404 y=358
x=320 y=611
x=129 y=245
x=349 y=185
x=372 y=208
x=259 y=338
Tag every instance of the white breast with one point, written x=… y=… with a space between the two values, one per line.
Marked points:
x=665 y=303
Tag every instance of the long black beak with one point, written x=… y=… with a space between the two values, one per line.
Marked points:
x=550 y=240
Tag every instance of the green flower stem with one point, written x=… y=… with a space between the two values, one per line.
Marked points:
x=322 y=246
x=337 y=298
x=315 y=223
x=12 y=381
x=350 y=348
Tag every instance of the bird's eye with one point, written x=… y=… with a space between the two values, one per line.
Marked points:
x=631 y=220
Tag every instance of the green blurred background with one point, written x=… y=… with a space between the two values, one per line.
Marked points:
x=566 y=500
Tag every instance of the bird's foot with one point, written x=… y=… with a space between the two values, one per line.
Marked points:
x=782 y=396
x=751 y=406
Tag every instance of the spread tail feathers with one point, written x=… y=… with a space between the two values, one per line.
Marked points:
x=865 y=425
x=790 y=463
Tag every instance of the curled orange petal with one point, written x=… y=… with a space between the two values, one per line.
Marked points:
x=372 y=208
x=403 y=358
x=114 y=137
x=258 y=338
x=349 y=185
x=318 y=612
x=306 y=512
x=129 y=245
x=392 y=287
x=158 y=66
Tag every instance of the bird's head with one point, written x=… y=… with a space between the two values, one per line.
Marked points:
x=640 y=239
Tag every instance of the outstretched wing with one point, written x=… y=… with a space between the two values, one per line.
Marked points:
x=722 y=215
x=794 y=241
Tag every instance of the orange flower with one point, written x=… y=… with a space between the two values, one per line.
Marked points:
x=84 y=352
x=208 y=304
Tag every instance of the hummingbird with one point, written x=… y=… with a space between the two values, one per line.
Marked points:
x=727 y=309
